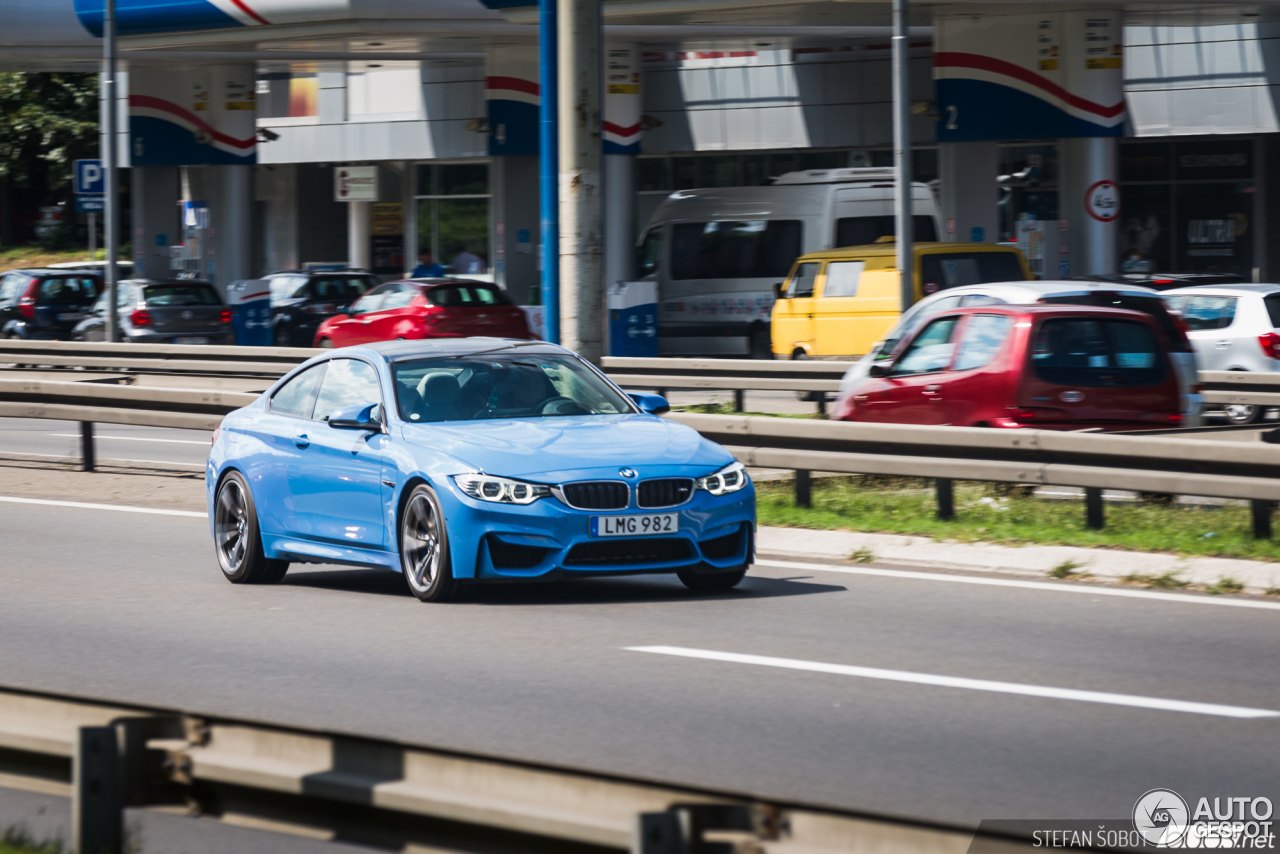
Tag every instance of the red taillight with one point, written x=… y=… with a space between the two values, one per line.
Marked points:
x=1162 y=281
x=225 y=316
x=1017 y=416
x=432 y=313
x=140 y=317
x=1270 y=342
x=1180 y=323
x=27 y=305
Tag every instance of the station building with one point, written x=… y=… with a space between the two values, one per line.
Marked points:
x=361 y=132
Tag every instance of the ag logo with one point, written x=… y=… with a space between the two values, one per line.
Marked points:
x=1102 y=201
x=1161 y=817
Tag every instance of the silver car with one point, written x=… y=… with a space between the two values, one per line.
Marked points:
x=1107 y=294
x=1232 y=328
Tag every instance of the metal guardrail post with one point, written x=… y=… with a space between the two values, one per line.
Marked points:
x=1094 y=516
x=87 y=455
x=822 y=403
x=96 y=806
x=804 y=490
x=739 y=400
x=1261 y=512
x=943 y=486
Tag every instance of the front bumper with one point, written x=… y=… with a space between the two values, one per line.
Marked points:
x=548 y=539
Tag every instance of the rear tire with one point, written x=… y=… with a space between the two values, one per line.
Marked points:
x=424 y=548
x=236 y=538
x=806 y=396
x=713 y=583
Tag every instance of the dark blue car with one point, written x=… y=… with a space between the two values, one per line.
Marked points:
x=470 y=460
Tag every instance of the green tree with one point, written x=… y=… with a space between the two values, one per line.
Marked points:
x=47 y=120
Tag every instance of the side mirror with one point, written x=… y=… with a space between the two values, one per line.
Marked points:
x=777 y=290
x=653 y=404
x=359 y=416
x=878 y=371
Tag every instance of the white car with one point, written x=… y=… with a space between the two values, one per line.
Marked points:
x=1104 y=294
x=1232 y=328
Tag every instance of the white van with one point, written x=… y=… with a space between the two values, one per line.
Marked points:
x=716 y=254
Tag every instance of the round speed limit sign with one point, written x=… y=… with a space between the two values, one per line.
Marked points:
x=1102 y=201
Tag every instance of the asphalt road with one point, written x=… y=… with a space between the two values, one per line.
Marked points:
x=40 y=439
x=132 y=607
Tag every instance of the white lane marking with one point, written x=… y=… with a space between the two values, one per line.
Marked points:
x=1045 y=691
x=83 y=506
x=136 y=439
x=4 y=453
x=1183 y=598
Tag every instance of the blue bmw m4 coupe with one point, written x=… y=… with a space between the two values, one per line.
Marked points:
x=457 y=461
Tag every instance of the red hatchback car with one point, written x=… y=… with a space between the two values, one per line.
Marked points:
x=425 y=308
x=1054 y=367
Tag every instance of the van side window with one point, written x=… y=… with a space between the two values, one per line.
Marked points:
x=930 y=351
x=984 y=335
x=842 y=278
x=864 y=230
x=953 y=269
x=801 y=284
x=649 y=255
x=749 y=249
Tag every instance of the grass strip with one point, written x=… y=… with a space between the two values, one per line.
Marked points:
x=1009 y=515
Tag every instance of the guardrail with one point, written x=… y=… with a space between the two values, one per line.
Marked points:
x=1146 y=463
x=107 y=755
x=735 y=375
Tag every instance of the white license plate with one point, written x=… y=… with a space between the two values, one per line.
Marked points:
x=635 y=526
x=191 y=339
x=71 y=315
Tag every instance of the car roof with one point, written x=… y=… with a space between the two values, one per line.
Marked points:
x=1235 y=290
x=52 y=271
x=1030 y=291
x=399 y=351
x=918 y=248
x=443 y=280
x=1036 y=310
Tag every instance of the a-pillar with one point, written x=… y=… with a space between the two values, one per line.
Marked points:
x=1089 y=197
x=156 y=219
x=359 y=248
x=969 y=191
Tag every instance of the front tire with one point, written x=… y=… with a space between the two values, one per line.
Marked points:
x=236 y=538
x=424 y=548
x=713 y=583
x=283 y=337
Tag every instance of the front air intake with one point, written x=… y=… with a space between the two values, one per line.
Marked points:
x=597 y=495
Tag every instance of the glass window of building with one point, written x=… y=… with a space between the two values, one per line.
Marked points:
x=453 y=215
x=385 y=90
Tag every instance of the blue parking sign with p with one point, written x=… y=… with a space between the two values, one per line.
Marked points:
x=90 y=177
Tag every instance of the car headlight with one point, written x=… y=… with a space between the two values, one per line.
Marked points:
x=731 y=478
x=500 y=490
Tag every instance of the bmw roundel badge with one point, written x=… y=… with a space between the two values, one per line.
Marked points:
x=627 y=472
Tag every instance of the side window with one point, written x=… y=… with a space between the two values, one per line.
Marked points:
x=649 y=253
x=801 y=284
x=69 y=291
x=912 y=321
x=371 y=301
x=399 y=297
x=1209 y=312
x=347 y=382
x=125 y=296
x=842 y=278
x=930 y=351
x=287 y=287
x=984 y=335
x=979 y=299
x=297 y=396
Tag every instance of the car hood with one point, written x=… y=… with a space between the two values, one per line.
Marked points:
x=563 y=448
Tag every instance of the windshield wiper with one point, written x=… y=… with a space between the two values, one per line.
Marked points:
x=499 y=349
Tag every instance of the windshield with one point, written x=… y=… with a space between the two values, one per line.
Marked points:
x=498 y=385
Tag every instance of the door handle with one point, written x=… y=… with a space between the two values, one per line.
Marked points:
x=1222 y=345
x=301 y=440
x=931 y=389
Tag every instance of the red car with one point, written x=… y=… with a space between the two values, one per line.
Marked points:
x=1054 y=367
x=425 y=308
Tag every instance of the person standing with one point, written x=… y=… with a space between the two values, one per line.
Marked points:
x=465 y=263
x=427 y=268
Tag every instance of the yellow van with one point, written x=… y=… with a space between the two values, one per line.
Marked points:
x=839 y=302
